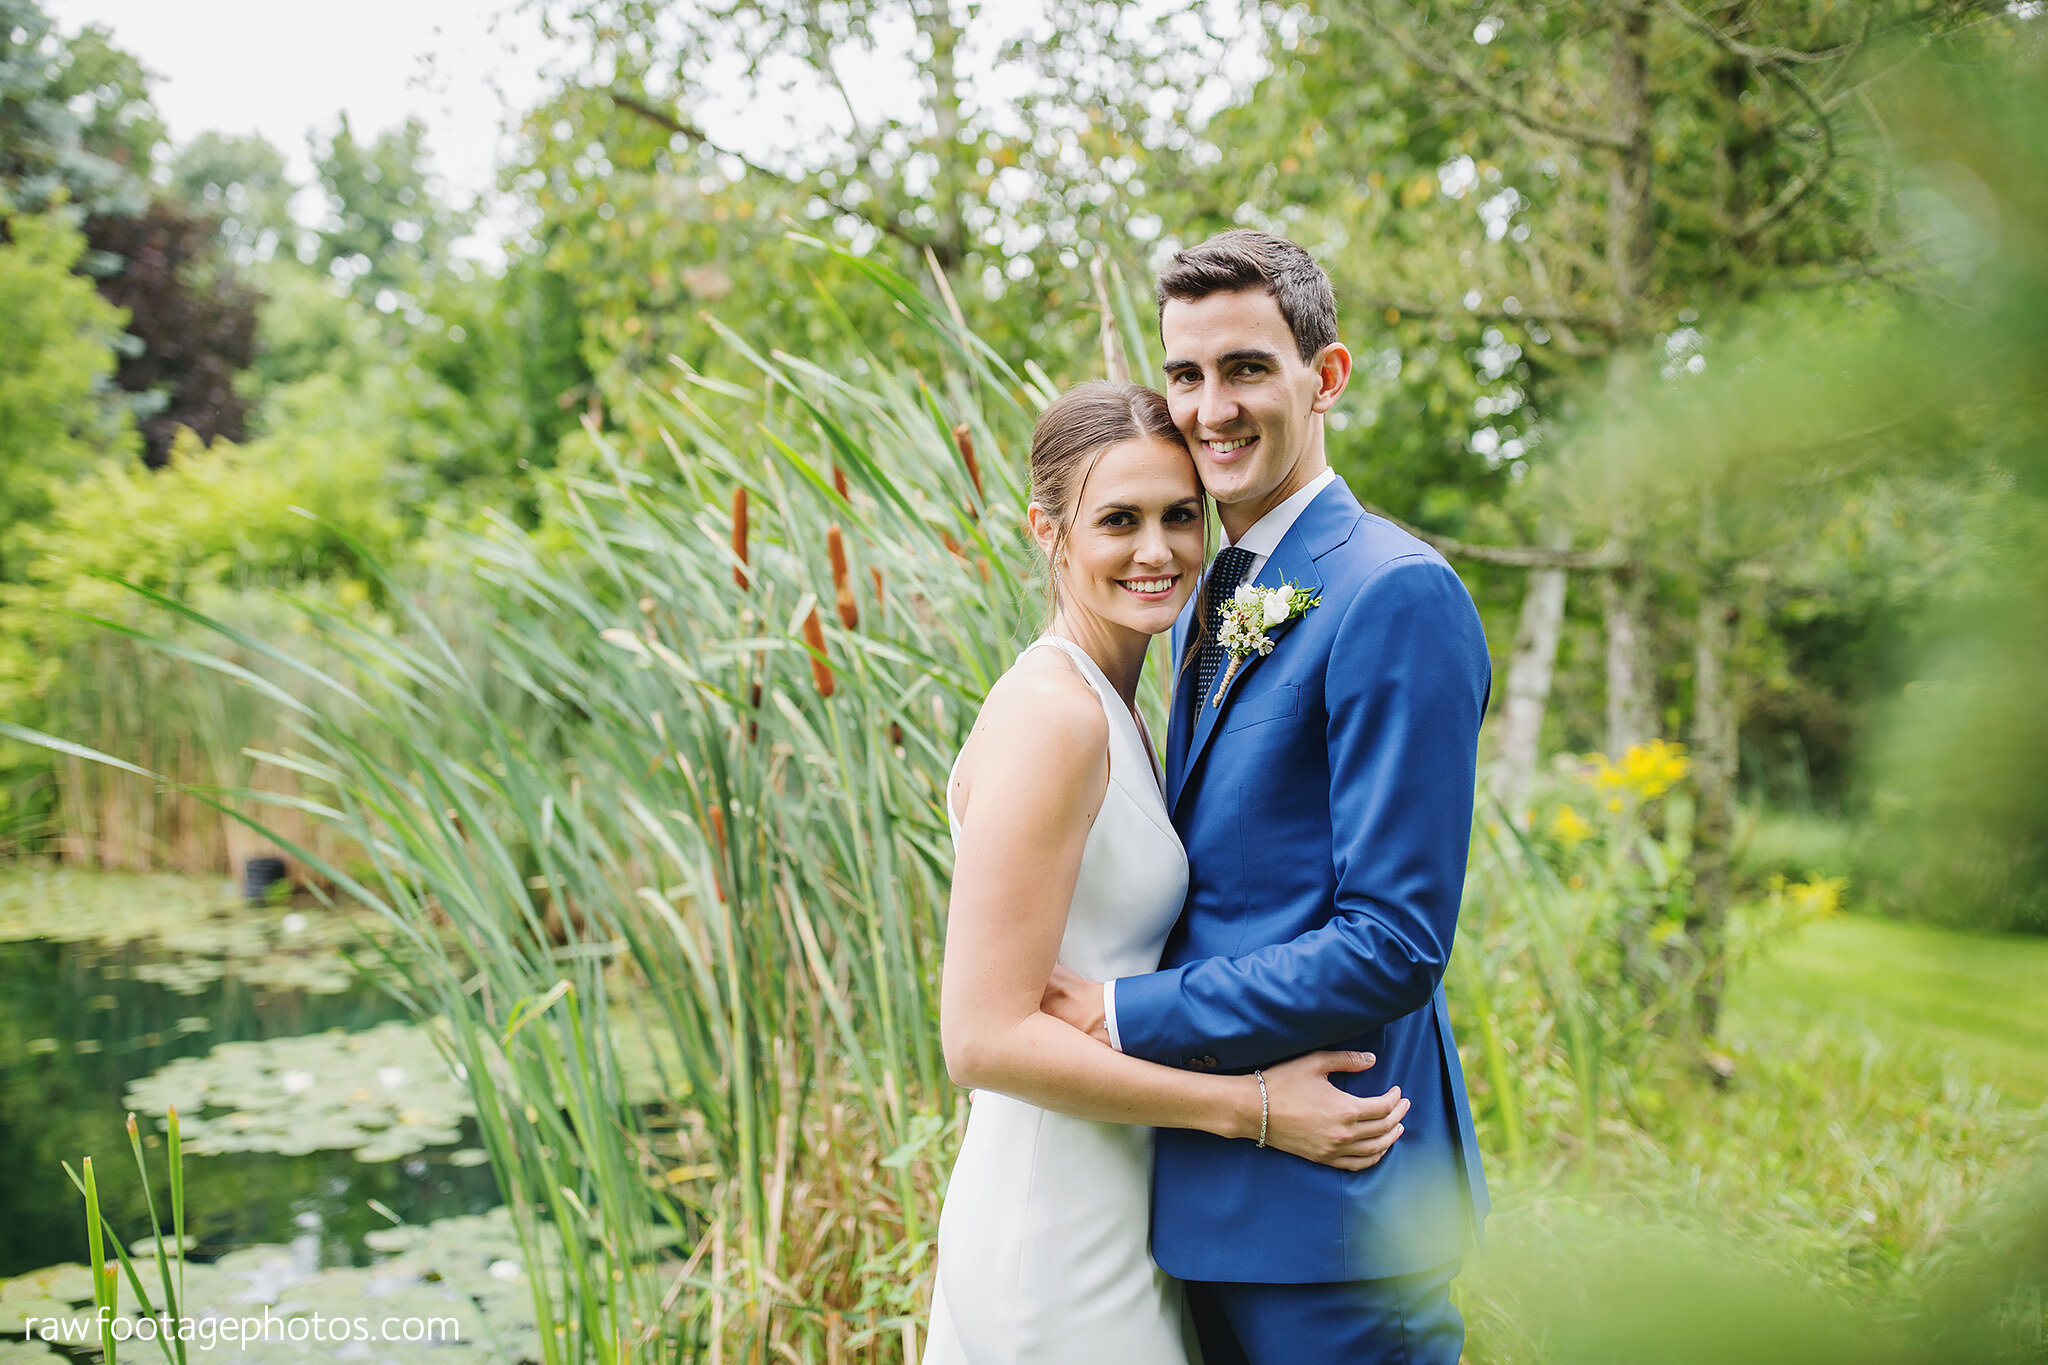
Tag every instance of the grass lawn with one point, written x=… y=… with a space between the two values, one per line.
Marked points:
x=1975 y=1001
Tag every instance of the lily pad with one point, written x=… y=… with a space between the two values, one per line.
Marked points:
x=466 y=1271
x=70 y=1282
x=382 y=1093
x=203 y=929
x=16 y=1314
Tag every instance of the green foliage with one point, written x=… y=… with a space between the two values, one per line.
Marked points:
x=1835 y=414
x=210 y=526
x=241 y=182
x=55 y=360
x=75 y=121
x=111 y=87
x=653 y=221
x=390 y=233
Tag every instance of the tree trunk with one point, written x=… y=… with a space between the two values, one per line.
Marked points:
x=1529 y=675
x=1713 y=766
x=950 y=241
x=1631 y=246
x=1631 y=214
x=1631 y=689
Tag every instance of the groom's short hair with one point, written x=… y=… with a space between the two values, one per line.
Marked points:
x=1244 y=258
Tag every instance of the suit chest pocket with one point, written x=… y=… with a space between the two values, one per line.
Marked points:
x=1276 y=703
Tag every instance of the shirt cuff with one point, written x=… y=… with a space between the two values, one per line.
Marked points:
x=1109 y=1013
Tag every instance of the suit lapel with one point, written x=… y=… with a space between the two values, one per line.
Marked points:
x=1291 y=562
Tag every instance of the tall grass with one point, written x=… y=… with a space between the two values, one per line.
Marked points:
x=143 y=698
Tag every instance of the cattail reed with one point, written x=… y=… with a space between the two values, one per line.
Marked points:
x=814 y=636
x=716 y=817
x=965 y=440
x=839 y=482
x=958 y=550
x=881 y=603
x=739 y=537
x=842 y=579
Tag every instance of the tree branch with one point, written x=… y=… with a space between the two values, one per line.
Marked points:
x=1606 y=559
x=662 y=118
x=1761 y=55
x=1549 y=314
x=1775 y=63
x=1806 y=181
x=1454 y=71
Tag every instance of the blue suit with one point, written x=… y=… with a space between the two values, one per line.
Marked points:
x=1326 y=807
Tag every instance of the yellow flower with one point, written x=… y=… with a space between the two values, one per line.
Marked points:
x=1646 y=771
x=1817 y=895
x=1569 y=827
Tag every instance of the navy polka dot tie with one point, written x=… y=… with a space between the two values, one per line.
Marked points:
x=1224 y=575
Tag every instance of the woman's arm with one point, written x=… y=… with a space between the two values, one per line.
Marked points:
x=1039 y=758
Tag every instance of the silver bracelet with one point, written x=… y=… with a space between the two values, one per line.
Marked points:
x=1264 y=1109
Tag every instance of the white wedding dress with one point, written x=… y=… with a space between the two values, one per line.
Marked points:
x=1043 y=1256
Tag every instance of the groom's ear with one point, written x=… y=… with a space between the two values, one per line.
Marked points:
x=1332 y=366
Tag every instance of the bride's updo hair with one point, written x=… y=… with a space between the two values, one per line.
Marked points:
x=1071 y=436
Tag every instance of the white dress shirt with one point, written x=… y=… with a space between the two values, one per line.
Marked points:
x=1261 y=540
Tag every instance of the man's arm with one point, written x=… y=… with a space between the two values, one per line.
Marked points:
x=1406 y=690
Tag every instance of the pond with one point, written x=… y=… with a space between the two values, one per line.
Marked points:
x=308 y=1101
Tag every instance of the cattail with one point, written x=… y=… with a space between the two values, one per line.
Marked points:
x=959 y=551
x=739 y=537
x=717 y=818
x=814 y=636
x=895 y=735
x=839 y=482
x=965 y=441
x=881 y=603
x=842 y=579
x=754 y=726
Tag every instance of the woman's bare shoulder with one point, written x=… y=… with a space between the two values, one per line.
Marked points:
x=1045 y=695
x=1041 y=719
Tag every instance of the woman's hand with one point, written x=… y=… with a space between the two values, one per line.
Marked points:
x=1310 y=1117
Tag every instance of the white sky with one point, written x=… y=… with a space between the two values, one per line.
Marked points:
x=284 y=69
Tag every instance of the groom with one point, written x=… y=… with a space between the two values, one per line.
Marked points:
x=1324 y=793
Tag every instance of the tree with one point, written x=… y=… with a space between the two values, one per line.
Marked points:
x=241 y=182
x=76 y=124
x=194 y=320
x=656 y=215
x=1574 y=196
x=56 y=360
x=388 y=235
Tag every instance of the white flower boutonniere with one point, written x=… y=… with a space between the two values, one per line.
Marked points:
x=1248 y=615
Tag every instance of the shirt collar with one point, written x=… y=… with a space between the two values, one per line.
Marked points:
x=1265 y=534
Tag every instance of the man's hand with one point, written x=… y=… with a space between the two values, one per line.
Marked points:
x=1073 y=999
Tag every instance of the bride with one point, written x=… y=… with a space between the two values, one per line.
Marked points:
x=1065 y=852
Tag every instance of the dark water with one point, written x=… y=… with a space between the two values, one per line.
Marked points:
x=61 y=1103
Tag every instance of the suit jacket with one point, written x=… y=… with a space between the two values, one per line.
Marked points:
x=1326 y=806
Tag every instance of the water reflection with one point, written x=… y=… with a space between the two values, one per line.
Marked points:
x=105 y=979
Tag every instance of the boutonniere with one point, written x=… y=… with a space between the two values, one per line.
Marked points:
x=1248 y=615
